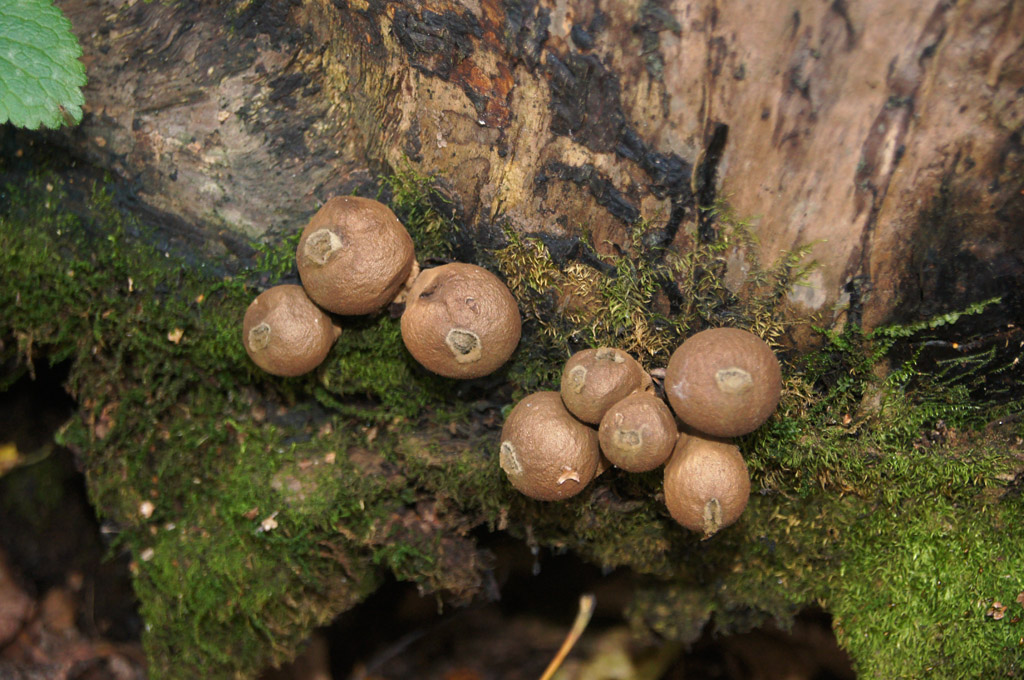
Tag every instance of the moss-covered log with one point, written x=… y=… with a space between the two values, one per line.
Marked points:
x=257 y=507
x=634 y=172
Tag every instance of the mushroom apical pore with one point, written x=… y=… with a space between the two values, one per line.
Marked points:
x=354 y=256
x=595 y=379
x=460 y=321
x=638 y=433
x=546 y=453
x=285 y=334
x=724 y=382
x=707 y=484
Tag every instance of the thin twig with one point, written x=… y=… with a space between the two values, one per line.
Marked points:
x=578 y=626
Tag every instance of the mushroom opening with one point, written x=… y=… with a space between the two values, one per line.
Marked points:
x=465 y=345
x=320 y=245
x=628 y=439
x=733 y=380
x=608 y=354
x=508 y=459
x=577 y=378
x=568 y=474
x=259 y=336
x=712 y=517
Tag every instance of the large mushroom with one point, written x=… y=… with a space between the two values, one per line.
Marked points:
x=707 y=484
x=595 y=379
x=547 y=453
x=724 y=382
x=354 y=256
x=460 y=321
x=285 y=334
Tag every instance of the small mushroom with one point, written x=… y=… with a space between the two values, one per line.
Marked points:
x=707 y=484
x=546 y=453
x=354 y=255
x=723 y=381
x=285 y=333
x=460 y=321
x=638 y=433
x=595 y=379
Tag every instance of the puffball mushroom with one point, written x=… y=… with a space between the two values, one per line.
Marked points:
x=546 y=453
x=707 y=484
x=638 y=433
x=460 y=321
x=286 y=334
x=724 y=382
x=595 y=379
x=354 y=256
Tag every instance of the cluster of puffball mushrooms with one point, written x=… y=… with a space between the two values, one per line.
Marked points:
x=355 y=257
x=722 y=382
x=461 y=321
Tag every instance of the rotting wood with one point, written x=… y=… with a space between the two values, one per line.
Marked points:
x=888 y=135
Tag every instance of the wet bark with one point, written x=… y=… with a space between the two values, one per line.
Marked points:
x=887 y=135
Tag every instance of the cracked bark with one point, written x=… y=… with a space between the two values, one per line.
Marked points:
x=888 y=135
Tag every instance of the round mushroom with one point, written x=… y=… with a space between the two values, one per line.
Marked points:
x=286 y=334
x=354 y=255
x=724 y=382
x=707 y=484
x=638 y=433
x=460 y=321
x=546 y=453
x=595 y=379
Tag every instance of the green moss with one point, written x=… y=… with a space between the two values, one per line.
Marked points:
x=424 y=210
x=880 y=497
x=165 y=418
x=370 y=374
x=253 y=511
x=646 y=300
x=916 y=595
x=276 y=259
x=846 y=426
x=579 y=305
x=220 y=597
x=850 y=442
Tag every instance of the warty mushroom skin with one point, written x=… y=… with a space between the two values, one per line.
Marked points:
x=460 y=321
x=354 y=256
x=595 y=379
x=724 y=382
x=638 y=433
x=707 y=484
x=546 y=453
x=285 y=334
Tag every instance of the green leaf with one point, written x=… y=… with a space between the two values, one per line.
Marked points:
x=40 y=74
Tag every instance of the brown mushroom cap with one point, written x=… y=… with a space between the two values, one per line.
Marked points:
x=723 y=381
x=547 y=453
x=707 y=484
x=354 y=255
x=285 y=333
x=638 y=433
x=595 y=379
x=460 y=321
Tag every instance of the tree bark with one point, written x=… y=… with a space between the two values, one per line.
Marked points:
x=886 y=135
